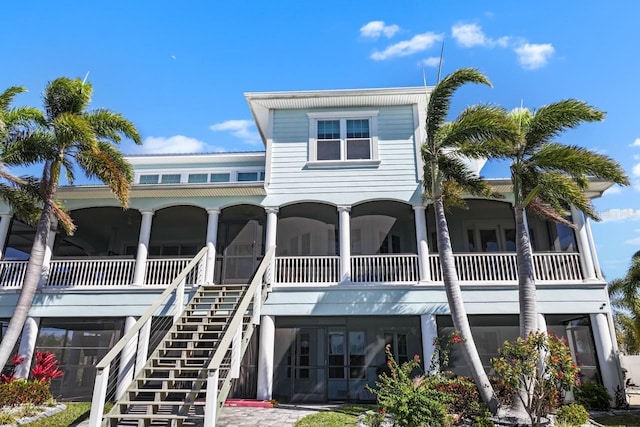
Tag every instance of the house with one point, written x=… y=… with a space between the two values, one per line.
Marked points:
x=337 y=191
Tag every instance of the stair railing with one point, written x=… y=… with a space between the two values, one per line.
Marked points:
x=137 y=337
x=234 y=341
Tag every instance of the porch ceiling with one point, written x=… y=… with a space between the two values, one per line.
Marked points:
x=596 y=186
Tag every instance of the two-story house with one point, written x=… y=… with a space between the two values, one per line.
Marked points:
x=338 y=192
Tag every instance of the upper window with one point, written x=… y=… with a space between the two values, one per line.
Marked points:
x=343 y=137
x=149 y=179
x=170 y=179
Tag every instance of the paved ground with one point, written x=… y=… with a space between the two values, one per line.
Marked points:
x=281 y=416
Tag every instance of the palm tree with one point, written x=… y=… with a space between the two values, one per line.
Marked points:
x=68 y=136
x=625 y=300
x=548 y=177
x=447 y=178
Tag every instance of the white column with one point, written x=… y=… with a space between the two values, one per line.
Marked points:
x=5 y=222
x=48 y=252
x=143 y=247
x=542 y=323
x=583 y=244
x=422 y=241
x=265 y=358
x=605 y=352
x=429 y=334
x=345 y=243
x=212 y=237
x=270 y=240
x=592 y=247
x=127 y=360
x=27 y=346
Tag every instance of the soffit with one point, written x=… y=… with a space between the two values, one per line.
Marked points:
x=163 y=190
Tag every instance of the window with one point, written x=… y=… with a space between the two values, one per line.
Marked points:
x=357 y=345
x=220 y=177
x=149 y=179
x=171 y=179
x=247 y=176
x=197 y=178
x=343 y=137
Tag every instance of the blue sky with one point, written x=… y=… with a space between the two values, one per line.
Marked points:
x=178 y=70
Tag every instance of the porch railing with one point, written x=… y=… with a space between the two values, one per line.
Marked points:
x=163 y=271
x=307 y=269
x=12 y=273
x=99 y=272
x=385 y=268
x=557 y=267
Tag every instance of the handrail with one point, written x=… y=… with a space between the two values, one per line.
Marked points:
x=115 y=351
x=236 y=321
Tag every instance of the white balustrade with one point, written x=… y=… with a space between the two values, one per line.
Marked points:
x=163 y=271
x=99 y=272
x=12 y=273
x=307 y=269
x=394 y=268
x=557 y=267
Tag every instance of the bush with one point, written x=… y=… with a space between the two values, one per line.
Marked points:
x=572 y=415
x=462 y=393
x=18 y=392
x=593 y=396
x=409 y=400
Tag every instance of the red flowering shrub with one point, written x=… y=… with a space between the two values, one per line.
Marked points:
x=46 y=368
x=16 y=391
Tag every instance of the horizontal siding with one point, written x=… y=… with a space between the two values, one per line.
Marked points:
x=395 y=177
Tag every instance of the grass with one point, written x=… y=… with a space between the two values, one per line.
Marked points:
x=619 y=420
x=74 y=413
x=345 y=415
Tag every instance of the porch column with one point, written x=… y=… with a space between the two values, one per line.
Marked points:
x=27 y=346
x=5 y=222
x=592 y=247
x=265 y=358
x=345 y=243
x=429 y=334
x=143 y=248
x=212 y=237
x=422 y=242
x=127 y=360
x=270 y=241
x=605 y=351
x=583 y=244
x=542 y=323
x=48 y=251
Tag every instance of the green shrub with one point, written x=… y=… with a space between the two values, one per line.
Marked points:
x=20 y=391
x=462 y=393
x=408 y=399
x=7 y=418
x=572 y=415
x=483 y=419
x=593 y=396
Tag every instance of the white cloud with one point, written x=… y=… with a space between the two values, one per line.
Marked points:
x=532 y=55
x=471 y=35
x=634 y=241
x=620 y=215
x=636 y=169
x=635 y=143
x=176 y=144
x=612 y=190
x=432 y=61
x=418 y=43
x=375 y=29
x=241 y=129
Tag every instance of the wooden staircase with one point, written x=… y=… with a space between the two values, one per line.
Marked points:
x=170 y=388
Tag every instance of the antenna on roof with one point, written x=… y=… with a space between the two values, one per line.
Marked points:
x=440 y=65
x=86 y=76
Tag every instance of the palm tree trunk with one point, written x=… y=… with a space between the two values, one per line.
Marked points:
x=31 y=278
x=526 y=282
x=458 y=312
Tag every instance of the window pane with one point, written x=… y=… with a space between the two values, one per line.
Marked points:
x=358 y=149
x=247 y=176
x=358 y=128
x=489 y=241
x=328 y=150
x=149 y=179
x=220 y=177
x=171 y=179
x=196 y=178
x=328 y=129
x=262 y=176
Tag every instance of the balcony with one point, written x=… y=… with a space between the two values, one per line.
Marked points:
x=477 y=268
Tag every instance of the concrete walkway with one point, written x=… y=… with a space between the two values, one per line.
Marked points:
x=280 y=416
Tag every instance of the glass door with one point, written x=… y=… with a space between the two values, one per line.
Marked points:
x=337 y=383
x=306 y=361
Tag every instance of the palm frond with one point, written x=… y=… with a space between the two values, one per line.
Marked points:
x=454 y=169
x=33 y=147
x=579 y=162
x=6 y=97
x=24 y=200
x=440 y=98
x=559 y=191
x=551 y=120
x=72 y=130
x=107 y=164
x=66 y=96
x=111 y=126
